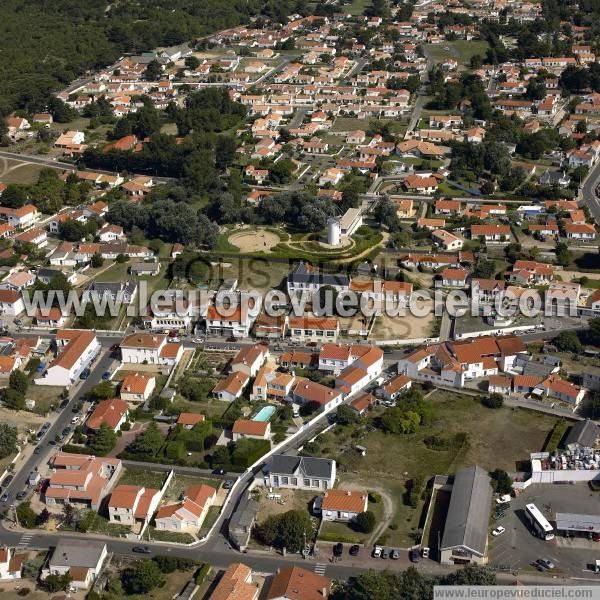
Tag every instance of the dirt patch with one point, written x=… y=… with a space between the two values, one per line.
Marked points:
x=259 y=240
x=290 y=500
x=407 y=327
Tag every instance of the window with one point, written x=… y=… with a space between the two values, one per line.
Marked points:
x=275 y=480
x=315 y=483
x=284 y=481
x=307 y=482
x=294 y=481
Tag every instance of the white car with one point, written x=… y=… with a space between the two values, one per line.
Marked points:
x=498 y=531
x=377 y=551
x=505 y=499
x=74 y=420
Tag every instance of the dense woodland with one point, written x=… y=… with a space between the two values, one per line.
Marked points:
x=46 y=44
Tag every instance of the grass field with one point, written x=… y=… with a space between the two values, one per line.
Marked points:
x=20 y=172
x=150 y=479
x=180 y=482
x=460 y=50
x=356 y=7
x=496 y=439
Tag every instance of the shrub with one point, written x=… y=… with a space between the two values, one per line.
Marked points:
x=365 y=522
x=201 y=573
x=374 y=497
x=493 y=401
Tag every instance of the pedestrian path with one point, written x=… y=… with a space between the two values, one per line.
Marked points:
x=24 y=541
x=320 y=568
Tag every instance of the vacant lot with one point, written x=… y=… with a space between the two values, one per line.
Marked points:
x=254 y=240
x=495 y=439
x=460 y=50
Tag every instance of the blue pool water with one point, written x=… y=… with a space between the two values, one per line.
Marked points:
x=264 y=414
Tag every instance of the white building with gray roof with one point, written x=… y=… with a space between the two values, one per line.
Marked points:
x=300 y=472
x=81 y=559
x=466 y=529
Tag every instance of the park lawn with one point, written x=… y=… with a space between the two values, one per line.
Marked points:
x=496 y=439
x=116 y=272
x=468 y=48
x=357 y=7
x=142 y=477
x=21 y=172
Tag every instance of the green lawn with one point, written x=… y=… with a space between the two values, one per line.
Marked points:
x=356 y=7
x=143 y=477
x=116 y=272
x=211 y=516
x=461 y=50
x=496 y=439
x=180 y=482
x=45 y=396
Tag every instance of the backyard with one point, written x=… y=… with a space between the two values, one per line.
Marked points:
x=494 y=439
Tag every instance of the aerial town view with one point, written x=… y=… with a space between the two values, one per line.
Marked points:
x=299 y=299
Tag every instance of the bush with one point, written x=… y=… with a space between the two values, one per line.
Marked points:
x=201 y=574
x=365 y=522
x=374 y=497
x=169 y=564
x=493 y=401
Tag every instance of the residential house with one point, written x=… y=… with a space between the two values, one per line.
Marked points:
x=121 y=292
x=137 y=387
x=147 y=348
x=300 y=472
x=314 y=329
x=304 y=278
x=113 y=412
x=247 y=428
x=132 y=504
x=11 y=303
x=341 y=505
x=447 y=240
x=189 y=420
x=51 y=317
x=80 y=479
x=76 y=349
x=235 y=584
x=187 y=515
x=490 y=233
x=454 y=277
x=232 y=387
x=295 y=583
x=10 y=564
x=82 y=560
x=394 y=388
x=249 y=359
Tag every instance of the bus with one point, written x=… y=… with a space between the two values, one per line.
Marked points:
x=539 y=523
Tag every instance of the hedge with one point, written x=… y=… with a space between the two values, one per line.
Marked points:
x=201 y=574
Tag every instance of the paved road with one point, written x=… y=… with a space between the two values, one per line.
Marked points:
x=35 y=461
x=57 y=164
x=588 y=191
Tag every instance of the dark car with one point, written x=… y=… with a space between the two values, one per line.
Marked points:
x=228 y=484
x=354 y=550
x=231 y=338
x=52 y=443
x=106 y=375
x=414 y=555
x=338 y=549
x=141 y=550
x=7 y=480
x=84 y=374
x=4 y=498
x=66 y=431
x=219 y=472
x=546 y=563
x=64 y=403
x=21 y=495
x=37 y=449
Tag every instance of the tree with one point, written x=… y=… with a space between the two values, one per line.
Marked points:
x=484 y=268
x=365 y=522
x=146 y=445
x=501 y=481
x=493 y=400
x=153 y=70
x=288 y=530
x=8 y=440
x=471 y=575
x=26 y=515
x=143 y=577
x=398 y=420
x=13 y=399
x=18 y=381
x=563 y=254
x=104 y=440
x=97 y=261
x=72 y=230
x=567 y=341
x=101 y=391
x=56 y=583
x=345 y=415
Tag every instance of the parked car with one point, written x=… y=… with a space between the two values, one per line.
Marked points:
x=546 y=563
x=66 y=431
x=37 y=449
x=21 y=495
x=74 y=420
x=228 y=484
x=4 y=498
x=8 y=480
x=84 y=374
x=504 y=499
x=106 y=375
x=395 y=555
x=498 y=531
x=338 y=549
x=354 y=550
x=141 y=550
x=385 y=553
x=64 y=403
x=425 y=552
x=377 y=551
x=219 y=472
x=414 y=555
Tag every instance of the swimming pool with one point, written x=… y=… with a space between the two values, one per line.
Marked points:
x=264 y=414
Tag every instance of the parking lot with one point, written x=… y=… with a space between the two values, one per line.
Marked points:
x=517 y=547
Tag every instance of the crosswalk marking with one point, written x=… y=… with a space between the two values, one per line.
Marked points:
x=320 y=568
x=24 y=541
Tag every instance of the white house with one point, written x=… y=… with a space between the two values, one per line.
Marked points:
x=137 y=387
x=250 y=359
x=10 y=564
x=11 y=303
x=148 y=348
x=300 y=472
x=232 y=387
x=341 y=505
x=187 y=515
x=131 y=504
x=76 y=351
x=81 y=559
